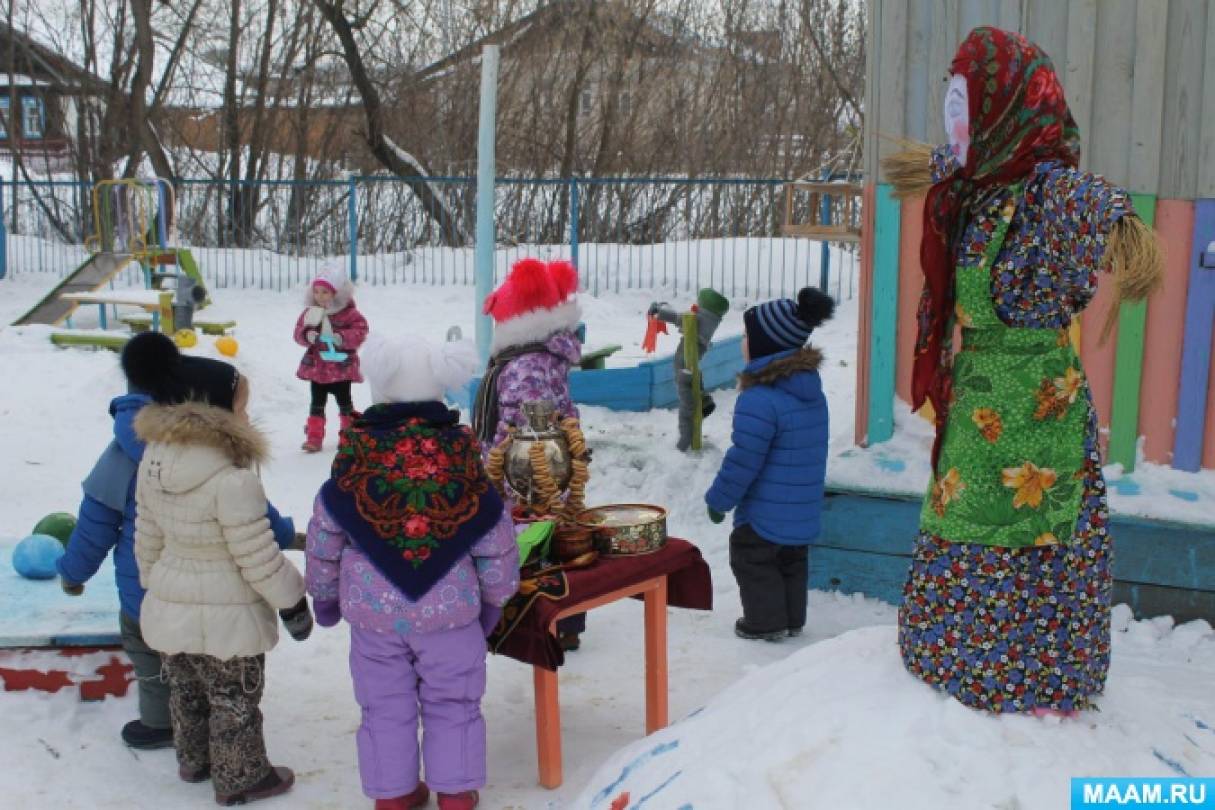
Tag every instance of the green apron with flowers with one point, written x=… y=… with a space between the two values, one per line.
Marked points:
x=1011 y=466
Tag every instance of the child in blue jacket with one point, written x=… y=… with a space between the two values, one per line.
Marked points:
x=106 y=521
x=772 y=476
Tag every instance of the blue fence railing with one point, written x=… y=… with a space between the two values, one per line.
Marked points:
x=622 y=233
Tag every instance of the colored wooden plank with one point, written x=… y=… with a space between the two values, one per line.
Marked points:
x=1204 y=163
x=864 y=317
x=1078 y=74
x=621 y=389
x=920 y=70
x=1196 y=351
x=1128 y=368
x=891 y=114
x=1098 y=356
x=867 y=540
x=1113 y=87
x=943 y=40
x=1046 y=26
x=1165 y=329
x=885 y=314
x=1182 y=100
x=1147 y=97
x=911 y=282
x=879 y=576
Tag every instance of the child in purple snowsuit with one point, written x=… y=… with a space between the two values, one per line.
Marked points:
x=412 y=546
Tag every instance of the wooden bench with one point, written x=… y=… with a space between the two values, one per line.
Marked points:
x=95 y=340
x=142 y=323
x=598 y=358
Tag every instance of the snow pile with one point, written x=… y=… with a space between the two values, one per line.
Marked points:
x=841 y=724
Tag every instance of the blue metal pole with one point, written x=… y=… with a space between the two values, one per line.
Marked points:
x=824 y=264
x=352 y=210
x=484 y=267
x=574 y=221
x=3 y=237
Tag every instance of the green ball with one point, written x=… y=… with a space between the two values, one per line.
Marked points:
x=58 y=525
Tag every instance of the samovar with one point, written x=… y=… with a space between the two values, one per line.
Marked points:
x=541 y=430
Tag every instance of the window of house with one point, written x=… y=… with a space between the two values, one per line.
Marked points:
x=4 y=118
x=33 y=118
x=586 y=101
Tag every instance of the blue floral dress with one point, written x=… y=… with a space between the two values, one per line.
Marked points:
x=1014 y=629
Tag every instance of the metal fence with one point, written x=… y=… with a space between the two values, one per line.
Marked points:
x=622 y=233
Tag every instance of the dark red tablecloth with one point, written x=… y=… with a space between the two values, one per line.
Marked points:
x=689 y=585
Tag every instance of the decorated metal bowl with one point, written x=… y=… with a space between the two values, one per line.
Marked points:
x=626 y=528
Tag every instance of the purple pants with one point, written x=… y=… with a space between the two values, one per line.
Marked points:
x=439 y=675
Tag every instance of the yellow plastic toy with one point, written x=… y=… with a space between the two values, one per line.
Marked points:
x=227 y=345
x=185 y=338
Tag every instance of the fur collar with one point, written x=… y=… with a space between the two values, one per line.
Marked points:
x=805 y=359
x=193 y=423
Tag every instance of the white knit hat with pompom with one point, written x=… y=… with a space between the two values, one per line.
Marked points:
x=408 y=368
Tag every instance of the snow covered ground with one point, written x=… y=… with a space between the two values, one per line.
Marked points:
x=835 y=714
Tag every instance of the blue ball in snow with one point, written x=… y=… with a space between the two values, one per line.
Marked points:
x=35 y=556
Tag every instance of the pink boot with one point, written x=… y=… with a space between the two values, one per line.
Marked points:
x=346 y=419
x=314 y=432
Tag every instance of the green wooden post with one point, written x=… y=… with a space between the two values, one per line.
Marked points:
x=1128 y=364
x=691 y=360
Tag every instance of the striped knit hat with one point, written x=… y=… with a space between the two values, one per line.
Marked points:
x=784 y=324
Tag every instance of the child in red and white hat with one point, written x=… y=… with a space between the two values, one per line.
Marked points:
x=332 y=329
x=535 y=312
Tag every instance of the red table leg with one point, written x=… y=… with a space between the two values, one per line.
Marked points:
x=656 y=657
x=548 y=727
x=548 y=708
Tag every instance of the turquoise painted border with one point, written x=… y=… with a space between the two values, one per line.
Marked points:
x=885 y=303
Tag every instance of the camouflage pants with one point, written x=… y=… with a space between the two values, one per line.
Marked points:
x=216 y=720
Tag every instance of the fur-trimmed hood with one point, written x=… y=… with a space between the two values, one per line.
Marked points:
x=536 y=326
x=191 y=442
x=779 y=367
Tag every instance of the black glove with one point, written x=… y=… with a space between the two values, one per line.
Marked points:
x=71 y=588
x=298 y=620
x=715 y=516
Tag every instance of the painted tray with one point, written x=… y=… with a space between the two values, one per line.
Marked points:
x=626 y=528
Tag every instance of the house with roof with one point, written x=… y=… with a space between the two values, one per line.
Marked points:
x=42 y=97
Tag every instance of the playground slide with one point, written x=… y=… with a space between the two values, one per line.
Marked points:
x=96 y=271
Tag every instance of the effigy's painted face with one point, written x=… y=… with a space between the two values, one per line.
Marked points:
x=957 y=117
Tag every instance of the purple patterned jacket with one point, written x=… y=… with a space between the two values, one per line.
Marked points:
x=539 y=375
x=338 y=570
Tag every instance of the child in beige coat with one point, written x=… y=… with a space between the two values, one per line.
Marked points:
x=214 y=578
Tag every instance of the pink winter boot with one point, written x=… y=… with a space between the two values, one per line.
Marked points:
x=314 y=431
x=346 y=419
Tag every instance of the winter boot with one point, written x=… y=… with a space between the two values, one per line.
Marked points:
x=742 y=630
x=346 y=419
x=145 y=738
x=194 y=776
x=275 y=783
x=314 y=432
x=459 y=801
x=410 y=801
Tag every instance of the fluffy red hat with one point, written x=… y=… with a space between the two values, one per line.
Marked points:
x=529 y=286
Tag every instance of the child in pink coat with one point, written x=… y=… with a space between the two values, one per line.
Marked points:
x=331 y=329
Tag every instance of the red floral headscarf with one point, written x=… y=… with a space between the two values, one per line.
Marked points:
x=1018 y=118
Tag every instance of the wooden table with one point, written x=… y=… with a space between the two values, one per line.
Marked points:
x=157 y=302
x=548 y=707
